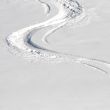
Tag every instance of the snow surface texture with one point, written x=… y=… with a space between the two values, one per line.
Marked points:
x=54 y=86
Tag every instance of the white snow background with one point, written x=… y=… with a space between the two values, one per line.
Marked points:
x=65 y=86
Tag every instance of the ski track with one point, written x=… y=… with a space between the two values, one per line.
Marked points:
x=69 y=12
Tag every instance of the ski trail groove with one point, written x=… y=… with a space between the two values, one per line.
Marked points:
x=70 y=11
